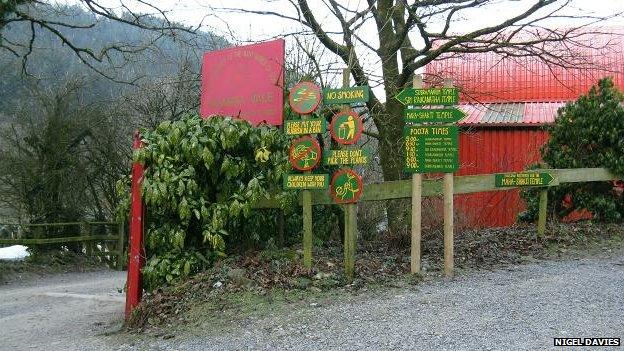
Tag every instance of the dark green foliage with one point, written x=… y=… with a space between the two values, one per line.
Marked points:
x=587 y=133
x=201 y=180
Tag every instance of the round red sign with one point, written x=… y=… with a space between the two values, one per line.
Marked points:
x=346 y=186
x=305 y=153
x=346 y=127
x=304 y=97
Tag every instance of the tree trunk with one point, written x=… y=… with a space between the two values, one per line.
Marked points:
x=390 y=128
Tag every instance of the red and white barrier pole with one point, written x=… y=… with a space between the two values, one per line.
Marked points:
x=137 y=252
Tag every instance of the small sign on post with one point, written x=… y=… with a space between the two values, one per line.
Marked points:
x=346 y=157
x=304 y=97
x=305 y=126
x=346 y=186
x=438 y=115
x=346 y=95
x=306 y=181
x=524 y=179
x=432 y=96
x=305 y=153
x=346 y=127
x=431 y=149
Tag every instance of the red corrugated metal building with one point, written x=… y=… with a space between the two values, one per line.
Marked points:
x=508 y=103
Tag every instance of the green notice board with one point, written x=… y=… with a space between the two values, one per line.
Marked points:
x=530 y=178
x=352 y=95
x=431 y=149
x=346 y=157
x=432 y=96
x=440 y=115
x=306 y=181
x=307 y=126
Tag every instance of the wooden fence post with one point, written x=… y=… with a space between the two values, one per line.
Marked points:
x=543 y=206
x=306 y=202
x=416 y=207
x=448 y=214
x=121 y=258
x=86 y=232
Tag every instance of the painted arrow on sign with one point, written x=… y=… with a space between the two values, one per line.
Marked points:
x=503 y=180
x=432 y=96
x=444 y=115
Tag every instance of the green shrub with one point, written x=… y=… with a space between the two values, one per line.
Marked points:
x=201 y=179
x=587 y=133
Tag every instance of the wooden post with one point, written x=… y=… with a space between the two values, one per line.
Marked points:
x=416 y=207
x=448 y=224
x=350 y=216
x=448 y=214
x=281 y=228
x=306 y=202
x=121 y=241
x=86 y=232
x=543 y=205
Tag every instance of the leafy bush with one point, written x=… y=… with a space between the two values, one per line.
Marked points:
x=587 y=133
x=201 y=179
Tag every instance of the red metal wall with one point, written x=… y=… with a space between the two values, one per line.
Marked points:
x=494 y=150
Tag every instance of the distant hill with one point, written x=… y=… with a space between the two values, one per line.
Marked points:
x=50 y=62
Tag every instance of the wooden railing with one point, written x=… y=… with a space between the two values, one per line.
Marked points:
x=33 y=234
x=401 y=189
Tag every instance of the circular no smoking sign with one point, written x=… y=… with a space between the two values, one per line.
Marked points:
x=304 y=97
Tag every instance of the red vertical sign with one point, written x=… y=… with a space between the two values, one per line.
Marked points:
x=245 y=82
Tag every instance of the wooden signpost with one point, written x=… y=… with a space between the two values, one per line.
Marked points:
x=530 y=179
x=431 y=148
x=346 y=186
x=305 y=154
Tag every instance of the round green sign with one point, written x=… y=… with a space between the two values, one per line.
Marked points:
x=304 y=97
x=346 y=127
x=346 y=186
x=305 y=153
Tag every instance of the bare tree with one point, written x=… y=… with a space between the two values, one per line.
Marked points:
x=47 y=16
x=407 y=35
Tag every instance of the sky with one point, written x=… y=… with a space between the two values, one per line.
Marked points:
x=241 y=28
x=247 y=27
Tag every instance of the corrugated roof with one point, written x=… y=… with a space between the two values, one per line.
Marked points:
x=510 y=114
x=490 y=77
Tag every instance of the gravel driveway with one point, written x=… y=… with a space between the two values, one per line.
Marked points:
x=61 y=312
x=518 y=308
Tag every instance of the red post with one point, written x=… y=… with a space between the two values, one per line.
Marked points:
x=137 y=254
